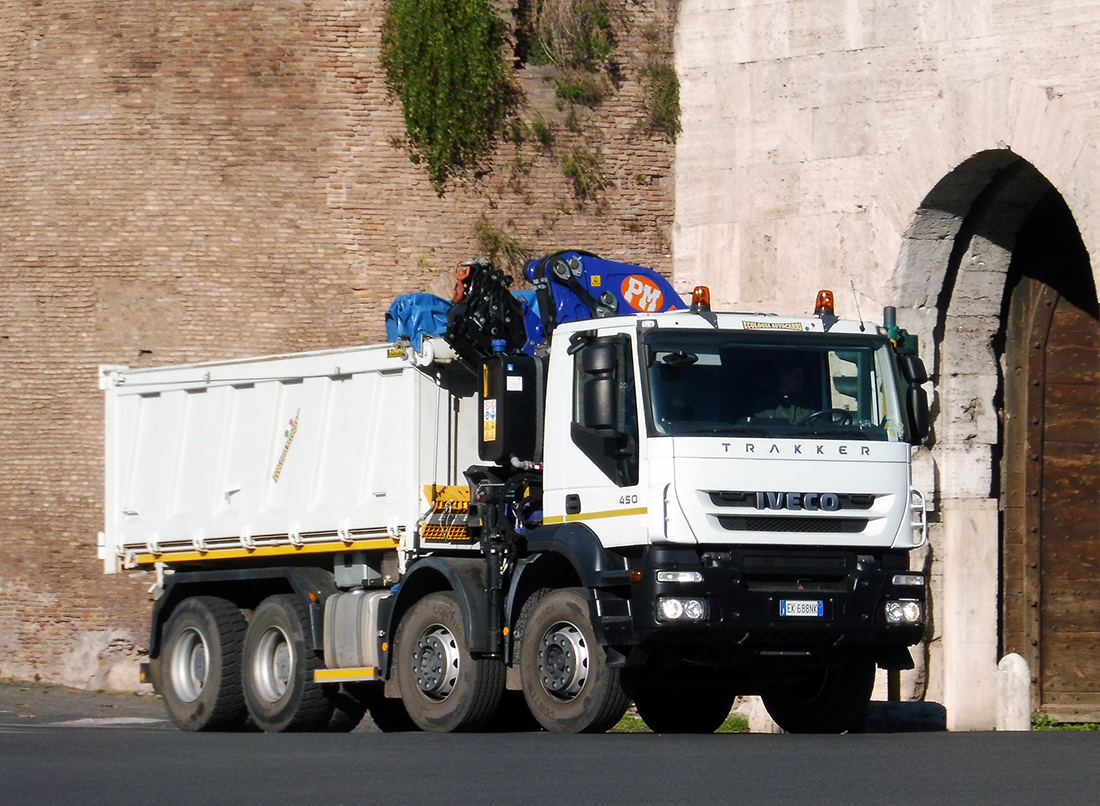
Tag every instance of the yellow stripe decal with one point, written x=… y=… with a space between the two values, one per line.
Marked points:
x=267 y=551
x=336 y=675
x=591 y=516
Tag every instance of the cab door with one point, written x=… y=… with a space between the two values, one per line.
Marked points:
x=593 y=463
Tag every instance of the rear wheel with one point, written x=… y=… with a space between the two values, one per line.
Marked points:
x=830 y=700
x=683 y=710
x=566 y=680
x=198 y=671
x=278 y=670
x=443 y=688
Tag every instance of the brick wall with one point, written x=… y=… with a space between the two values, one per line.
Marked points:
x=205 y=179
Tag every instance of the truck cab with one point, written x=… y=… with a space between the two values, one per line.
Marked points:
x=753 y=473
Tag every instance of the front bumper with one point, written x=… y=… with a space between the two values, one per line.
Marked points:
x=767 y=602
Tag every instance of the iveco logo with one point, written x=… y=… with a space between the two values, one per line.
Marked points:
x=829 y=502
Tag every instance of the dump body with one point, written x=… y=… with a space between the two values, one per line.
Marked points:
x=282 y=455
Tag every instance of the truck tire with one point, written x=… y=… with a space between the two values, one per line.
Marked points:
x=700 y=710
x=198 y=671
x=566 y=680
x=830 y=700
x=278 y=670
x=443 y=688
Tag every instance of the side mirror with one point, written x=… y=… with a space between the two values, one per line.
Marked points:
x=598 y=358
x=599 y=402
x=598 y=362
x=916 y=399
x=913 y=369
x=917 y=405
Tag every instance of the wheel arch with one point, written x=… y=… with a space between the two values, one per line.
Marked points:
x=565 y=556
x=593 y=565
x=465 y=577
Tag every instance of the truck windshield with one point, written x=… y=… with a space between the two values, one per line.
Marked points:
x=778 y=385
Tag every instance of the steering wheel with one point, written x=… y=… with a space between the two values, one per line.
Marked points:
x=828 y=416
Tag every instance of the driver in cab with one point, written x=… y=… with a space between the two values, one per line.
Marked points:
x=789 y=400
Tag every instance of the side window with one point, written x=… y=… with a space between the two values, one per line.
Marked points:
x=605 y=413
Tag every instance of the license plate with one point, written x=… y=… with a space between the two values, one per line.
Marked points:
x=812 y=608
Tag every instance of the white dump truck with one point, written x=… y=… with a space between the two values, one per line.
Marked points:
x=554 y=506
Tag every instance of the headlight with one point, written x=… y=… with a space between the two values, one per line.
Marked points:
x=904 y=611
x=678 y=608
x=679 y=576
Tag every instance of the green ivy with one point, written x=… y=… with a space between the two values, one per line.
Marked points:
x=581 y=169
x=443 y=60
x=579 y=89
x=663 y=100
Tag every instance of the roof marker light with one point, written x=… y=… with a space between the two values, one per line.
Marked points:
x=700 y=298
x=825 y=305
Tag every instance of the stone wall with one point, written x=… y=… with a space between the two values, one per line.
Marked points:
x=813 y=130
x=210 y=179
x=843 y=145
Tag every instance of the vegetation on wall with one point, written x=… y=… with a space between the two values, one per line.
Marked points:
x=501 y=246
x=444 y=61
x=572 y=34
x=575 y=36
x=662 y=99
x=582 y=170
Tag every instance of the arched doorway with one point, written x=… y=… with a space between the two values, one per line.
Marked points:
x=1050 y=471
x=1018 y=509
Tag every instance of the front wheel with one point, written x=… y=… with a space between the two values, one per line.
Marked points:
x=443 y=688
x=198 y=672
x=830 y=700
x=683 y=710
x=566 y=680
x=278 y=669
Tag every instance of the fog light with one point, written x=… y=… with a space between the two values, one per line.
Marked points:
x=679 y=576
x=676 y=608
x=695 y=609
x=905 y=611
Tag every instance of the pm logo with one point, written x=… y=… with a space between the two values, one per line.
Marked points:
x=642 y=294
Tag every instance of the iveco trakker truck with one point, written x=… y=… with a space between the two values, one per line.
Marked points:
x=539 y=504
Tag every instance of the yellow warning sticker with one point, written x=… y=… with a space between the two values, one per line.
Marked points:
x=489 y=420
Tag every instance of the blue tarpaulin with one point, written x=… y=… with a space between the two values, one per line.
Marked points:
x=414 y=316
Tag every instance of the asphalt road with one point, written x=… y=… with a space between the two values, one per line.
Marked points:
x=30 y=705
x=51 y=754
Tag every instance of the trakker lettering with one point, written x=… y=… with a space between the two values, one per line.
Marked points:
x=810 y=502
x=776 y=449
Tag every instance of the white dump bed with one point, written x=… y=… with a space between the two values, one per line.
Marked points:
x=282 y=455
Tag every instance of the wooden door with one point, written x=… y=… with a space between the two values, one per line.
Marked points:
x=1051 y=498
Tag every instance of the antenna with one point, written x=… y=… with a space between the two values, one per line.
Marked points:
x=855 y=296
